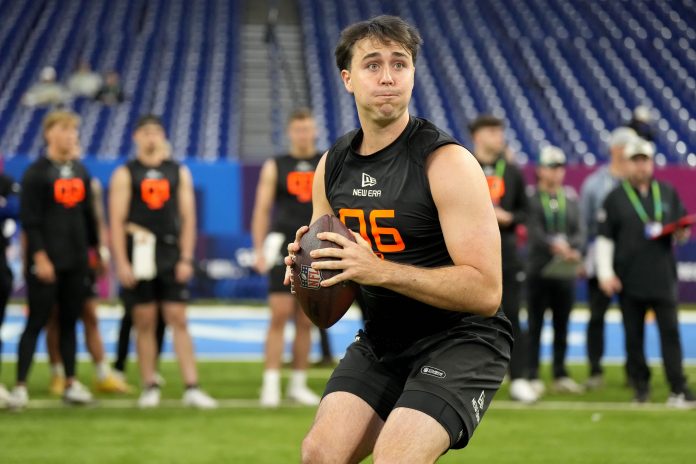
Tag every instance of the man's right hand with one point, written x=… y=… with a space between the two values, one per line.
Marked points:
x=293 y=248
x=504 y=218
x=610 y=286
x=125 y=275
x=260 y=263
x=43 y=268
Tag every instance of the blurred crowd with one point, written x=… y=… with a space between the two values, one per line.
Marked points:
x=84 y=82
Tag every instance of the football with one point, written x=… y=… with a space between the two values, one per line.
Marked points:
x=323 y=305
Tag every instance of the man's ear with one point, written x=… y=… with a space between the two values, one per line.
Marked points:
x=345 y=77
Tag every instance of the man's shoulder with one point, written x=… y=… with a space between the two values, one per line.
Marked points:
x=615 y=195
x=426 y=138
x=570 y=193
x=667 y=187
x=36 y=168
x=595 y=176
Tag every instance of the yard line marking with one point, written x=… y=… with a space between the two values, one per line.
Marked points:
x=240 y=403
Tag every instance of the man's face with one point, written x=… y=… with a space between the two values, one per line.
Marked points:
x=149 y=138
x=490 y=139
x=640 y=169
x=552 y=175
x=381 y=78
x=63 y=137
x=302 y=135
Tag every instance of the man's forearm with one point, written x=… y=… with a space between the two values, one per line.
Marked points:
x=259 y=229
x=35 y=241
x=118 y=243
x=187 y=240
x=455 y=288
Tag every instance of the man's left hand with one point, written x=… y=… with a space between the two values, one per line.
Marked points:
x=183 y=271
x=357 y=260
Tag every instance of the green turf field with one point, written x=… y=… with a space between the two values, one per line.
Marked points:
x=602 y=427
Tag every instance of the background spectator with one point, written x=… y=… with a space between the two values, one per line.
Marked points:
x=111 y=92
x=47 y=91
x=84 y=82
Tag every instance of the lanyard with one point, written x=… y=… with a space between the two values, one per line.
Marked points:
x=638 y=206
x=500 y=168
x=558 y=226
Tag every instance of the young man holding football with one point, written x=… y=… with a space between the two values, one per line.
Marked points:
x=417 y=381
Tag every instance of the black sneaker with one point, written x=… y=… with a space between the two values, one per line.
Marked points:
x=641 y=396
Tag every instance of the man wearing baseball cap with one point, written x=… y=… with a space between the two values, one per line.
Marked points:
x=592 y=194
x=555 y=239
x=635 y=259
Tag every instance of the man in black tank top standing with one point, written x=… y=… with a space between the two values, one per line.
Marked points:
x=153 y=232
x=285 y=184
x=58 y=219
x=508 y=194
x=417 y=381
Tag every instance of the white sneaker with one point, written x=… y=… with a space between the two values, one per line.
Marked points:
x=77 y=393
x=149 y=398
x=567 y=385
x=197 y=398
x=270 y=395
x=521 y=390
x=681 y=401
x=538 y=387
x=4 y=396
x=18 y=399
x=595 y=382
x=303 y=395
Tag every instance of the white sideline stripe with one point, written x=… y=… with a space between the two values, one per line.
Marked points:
x=232 y=312
x=231 y=403
x=237 y=312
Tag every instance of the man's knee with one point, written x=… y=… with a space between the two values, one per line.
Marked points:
x=313 y=450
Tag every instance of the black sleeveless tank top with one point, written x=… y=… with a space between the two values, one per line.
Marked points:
x=293 y=193
x=386 y=198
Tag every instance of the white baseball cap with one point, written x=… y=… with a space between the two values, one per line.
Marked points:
x=622 y=136
x=551 y=156
x=639 y=147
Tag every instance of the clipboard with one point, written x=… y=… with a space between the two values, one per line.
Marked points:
x=668 y=229
x=559 y=268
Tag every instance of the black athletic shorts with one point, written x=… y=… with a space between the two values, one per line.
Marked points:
x=451 y=376
x=275 y=280
x=163 y=287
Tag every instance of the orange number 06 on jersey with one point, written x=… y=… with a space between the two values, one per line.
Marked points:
x=69 y=192
x=154 y=192
x=300 y=185
x=376 y=231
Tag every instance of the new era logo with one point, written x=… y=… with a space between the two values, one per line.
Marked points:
x=368 y=181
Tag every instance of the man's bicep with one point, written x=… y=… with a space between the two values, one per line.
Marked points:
x=320 y=203
x=187 y=196
x=119 y=196
x=466 y=214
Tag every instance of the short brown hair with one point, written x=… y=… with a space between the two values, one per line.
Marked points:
x=299 y=114
x=485 y=120
x=57 y=116
x=382 y=28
